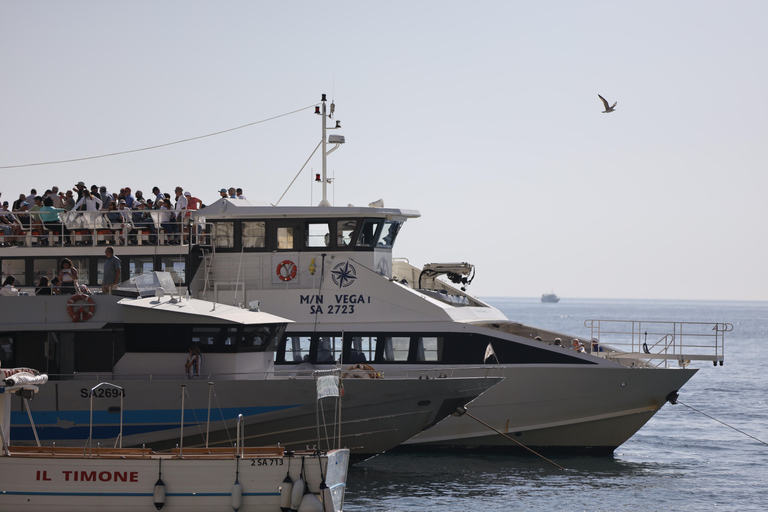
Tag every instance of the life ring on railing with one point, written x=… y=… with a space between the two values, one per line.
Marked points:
x=81 y=312
x=361 y=371
x=286 y=270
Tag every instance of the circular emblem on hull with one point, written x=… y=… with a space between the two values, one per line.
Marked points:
x=344 y=274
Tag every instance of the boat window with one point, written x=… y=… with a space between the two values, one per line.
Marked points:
x=297 y=349
x=389 y=233
x=254 y=234
x=205 y=336
x=138 y=265
x=394 y=348
x=14 y=268
x=328 y=349
x=362 y=349
x=177 y=267
x=285 y=237
x=344 y=230
x=83 y=266
x=318 y=235
x=258 y=338
x=6 y=351
x=224 y=234
x=429 y=349
x=369 y=233
x=47 y=267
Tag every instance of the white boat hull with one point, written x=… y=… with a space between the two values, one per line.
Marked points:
x=77 y=484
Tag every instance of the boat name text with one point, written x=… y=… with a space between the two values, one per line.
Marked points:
x=344 y=303
x=91 y=476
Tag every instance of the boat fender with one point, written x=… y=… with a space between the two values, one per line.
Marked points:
x=237 y=496
x=158 y=495
x=285 y=493
x=81 y=312
x=286 y=270
x=310 y=503
x=297 y=494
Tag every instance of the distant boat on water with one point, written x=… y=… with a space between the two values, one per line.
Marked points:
x=550 y=297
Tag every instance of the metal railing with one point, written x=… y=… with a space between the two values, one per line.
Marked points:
x=116 y=227
x=658 y=341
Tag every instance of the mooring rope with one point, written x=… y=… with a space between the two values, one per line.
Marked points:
x=722 y=422
x=461 y=411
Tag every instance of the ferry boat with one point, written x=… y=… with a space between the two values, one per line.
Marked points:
x=92 y=477
x=141 y=344
x=331 y=269
x=550 y=297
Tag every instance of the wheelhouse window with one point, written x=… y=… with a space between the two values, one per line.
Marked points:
x=285 y=237
x=254 y=234
x=369 y=233
x=344 y=231
x=389 y=233
x=318 y=234
x=224 y=234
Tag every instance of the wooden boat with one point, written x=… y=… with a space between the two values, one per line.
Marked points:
x=36 y=478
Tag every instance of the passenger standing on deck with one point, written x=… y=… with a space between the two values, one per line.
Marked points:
x=67 y=277
x=194 y=360
x=111 y=271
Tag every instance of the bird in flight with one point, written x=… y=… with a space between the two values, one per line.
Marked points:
x=608 y=109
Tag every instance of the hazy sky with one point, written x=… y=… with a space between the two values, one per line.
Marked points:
x=483 y=116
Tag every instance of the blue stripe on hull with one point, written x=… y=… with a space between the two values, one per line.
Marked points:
x=56 y=425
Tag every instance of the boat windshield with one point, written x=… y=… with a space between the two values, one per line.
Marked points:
x=147 y=285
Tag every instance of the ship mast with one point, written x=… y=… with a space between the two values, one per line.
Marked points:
x=338 y=140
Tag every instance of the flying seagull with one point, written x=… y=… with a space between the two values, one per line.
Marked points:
x=608 y=109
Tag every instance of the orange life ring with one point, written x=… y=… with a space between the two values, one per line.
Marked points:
x=286 y=270
x=81 y=312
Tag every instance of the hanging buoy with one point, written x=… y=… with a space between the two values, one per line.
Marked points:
x=285 y=493
x=310 y=503
x=297 y=494
x=237 y=496
x=159 y=494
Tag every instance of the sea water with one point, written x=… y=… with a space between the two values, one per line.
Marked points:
x=680 y=460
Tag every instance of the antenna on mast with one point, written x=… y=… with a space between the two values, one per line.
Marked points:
x=338 y=140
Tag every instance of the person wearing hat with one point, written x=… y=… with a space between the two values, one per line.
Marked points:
x=223 y=193
x=81 y=192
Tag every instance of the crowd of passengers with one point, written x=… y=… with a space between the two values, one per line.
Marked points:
x=40 y=214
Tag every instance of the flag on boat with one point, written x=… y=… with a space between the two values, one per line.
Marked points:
x=327 y=385
x=489 y=352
